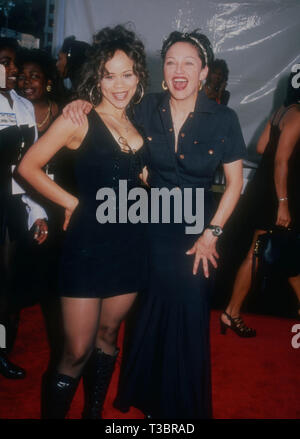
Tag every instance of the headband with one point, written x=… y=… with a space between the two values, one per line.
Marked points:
x=187 y=36
x=200 y=45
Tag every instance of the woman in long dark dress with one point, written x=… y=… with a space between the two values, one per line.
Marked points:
x=272 y=199
x=166 y=372
x=102 y=265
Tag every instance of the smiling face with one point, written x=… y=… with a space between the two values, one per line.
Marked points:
x=7 y=58
x=119 y=82
x=183 y=71
x=32 y=82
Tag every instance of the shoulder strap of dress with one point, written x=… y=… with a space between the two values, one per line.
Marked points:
x=92 y=114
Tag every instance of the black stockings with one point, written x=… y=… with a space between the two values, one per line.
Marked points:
x=90 y=323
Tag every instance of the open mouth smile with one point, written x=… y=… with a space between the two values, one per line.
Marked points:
x=179 y=83
x=121 y=96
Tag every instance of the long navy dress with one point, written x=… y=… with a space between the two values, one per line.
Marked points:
x=102 y=260
x=166 y=371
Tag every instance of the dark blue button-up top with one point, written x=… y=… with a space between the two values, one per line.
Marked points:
x=210 y=135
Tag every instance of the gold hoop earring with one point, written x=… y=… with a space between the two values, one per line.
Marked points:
x=200 y=85
x=141 y=92
x=48 y=88
x=164 y=85
x=95 y=97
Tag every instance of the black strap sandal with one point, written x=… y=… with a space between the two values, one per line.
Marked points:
x=237 y=325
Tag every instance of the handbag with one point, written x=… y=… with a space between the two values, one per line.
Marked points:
x=276 y=253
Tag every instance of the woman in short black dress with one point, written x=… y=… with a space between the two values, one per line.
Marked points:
x=272 y=199
x=102 y=264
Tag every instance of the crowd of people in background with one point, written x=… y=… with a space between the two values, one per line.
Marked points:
x=32 y=224
x=31 y=227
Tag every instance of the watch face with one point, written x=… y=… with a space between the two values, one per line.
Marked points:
x=218 y=231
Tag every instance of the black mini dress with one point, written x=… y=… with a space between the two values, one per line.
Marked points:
x=260 y=195
x=102 y=259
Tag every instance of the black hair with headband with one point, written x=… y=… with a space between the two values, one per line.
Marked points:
x=196 y=39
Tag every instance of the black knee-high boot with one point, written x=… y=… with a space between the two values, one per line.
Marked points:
x=57 y=394
x=96 y=378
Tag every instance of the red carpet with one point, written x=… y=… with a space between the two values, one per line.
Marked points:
x=255 y=379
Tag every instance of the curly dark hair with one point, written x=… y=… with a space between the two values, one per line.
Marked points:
x=46 y=63
x=220 y=64
x=196 y=39
x=106 y=42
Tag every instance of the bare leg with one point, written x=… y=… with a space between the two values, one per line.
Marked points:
x=113 y=312
x=295 y=284
x=242 y=283
x=80 y=323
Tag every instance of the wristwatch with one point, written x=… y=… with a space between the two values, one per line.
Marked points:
x=216 y=230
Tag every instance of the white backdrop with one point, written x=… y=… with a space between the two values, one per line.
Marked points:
x=259 y=39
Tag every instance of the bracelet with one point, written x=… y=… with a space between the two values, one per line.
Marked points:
x=283 y=199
